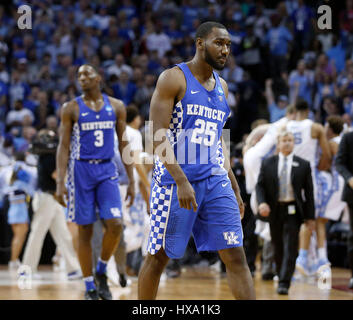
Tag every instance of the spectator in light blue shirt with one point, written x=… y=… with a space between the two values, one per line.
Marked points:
x=300 y=84
x=278 y=39
x=337 y=54
x=276 y=110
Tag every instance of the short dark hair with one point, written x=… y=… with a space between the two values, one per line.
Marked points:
x=335 y=123
x=205 y=29
x=301 y=105
x=131 y=113
x=90 y=65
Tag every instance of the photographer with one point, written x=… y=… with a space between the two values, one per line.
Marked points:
x=48 y=213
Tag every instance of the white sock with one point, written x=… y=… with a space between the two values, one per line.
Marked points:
x=322 y=254
x=88 y=279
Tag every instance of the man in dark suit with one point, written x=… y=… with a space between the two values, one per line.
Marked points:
x=344 y=165
x=282 y=181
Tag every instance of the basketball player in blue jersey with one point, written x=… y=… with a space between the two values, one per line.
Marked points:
x=88 y=125
x=193 y=188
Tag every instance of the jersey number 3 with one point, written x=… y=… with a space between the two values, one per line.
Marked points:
x=204 y=127
x=99 y=138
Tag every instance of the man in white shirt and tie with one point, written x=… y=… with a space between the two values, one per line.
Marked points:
x=283 y=180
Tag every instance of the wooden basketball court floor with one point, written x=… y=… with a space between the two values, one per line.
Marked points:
x=195 y=283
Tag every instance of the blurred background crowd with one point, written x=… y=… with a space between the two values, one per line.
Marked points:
x=276 y=47
x=278 y=54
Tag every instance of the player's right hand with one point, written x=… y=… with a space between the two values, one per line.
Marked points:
x=60 y=194
x=186 y=196
x=264 y=209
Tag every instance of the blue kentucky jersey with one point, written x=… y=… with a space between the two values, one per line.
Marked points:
x=93 y=133
x=195 y=130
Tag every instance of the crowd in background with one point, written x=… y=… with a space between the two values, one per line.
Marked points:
x=278 y=54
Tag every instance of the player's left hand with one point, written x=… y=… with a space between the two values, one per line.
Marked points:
x=61 y=193
x=130 y=193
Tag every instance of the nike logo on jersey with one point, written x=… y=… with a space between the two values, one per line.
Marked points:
x=224 y=184
x=84 y=114
x=193 y=92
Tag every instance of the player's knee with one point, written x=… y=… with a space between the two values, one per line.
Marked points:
x=85 y=233
x=159 y=260
x=115 y=227
x=234 y=257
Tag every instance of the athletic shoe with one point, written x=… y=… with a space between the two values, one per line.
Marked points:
x=74 y=275
x=173 y=273
x=91 y=295
x=322 y=264
x=173 y=269
x=32 y=276
x=102 y=286
x=302 y=266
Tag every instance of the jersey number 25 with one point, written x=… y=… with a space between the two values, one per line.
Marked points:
x=204 y=127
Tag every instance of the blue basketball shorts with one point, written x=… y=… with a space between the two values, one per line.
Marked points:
x=17 y=213
x=216 y=224
x=91 y=186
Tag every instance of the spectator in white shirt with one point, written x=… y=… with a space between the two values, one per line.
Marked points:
x=15 y=117
x=159 y=41
x=119 y=66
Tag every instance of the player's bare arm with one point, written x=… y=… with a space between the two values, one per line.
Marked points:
x=124 y=145
x=170 y=88
x=268 y=92
x=69 y=115
x=227 y=165
x=318 y=132
x=255 y=136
